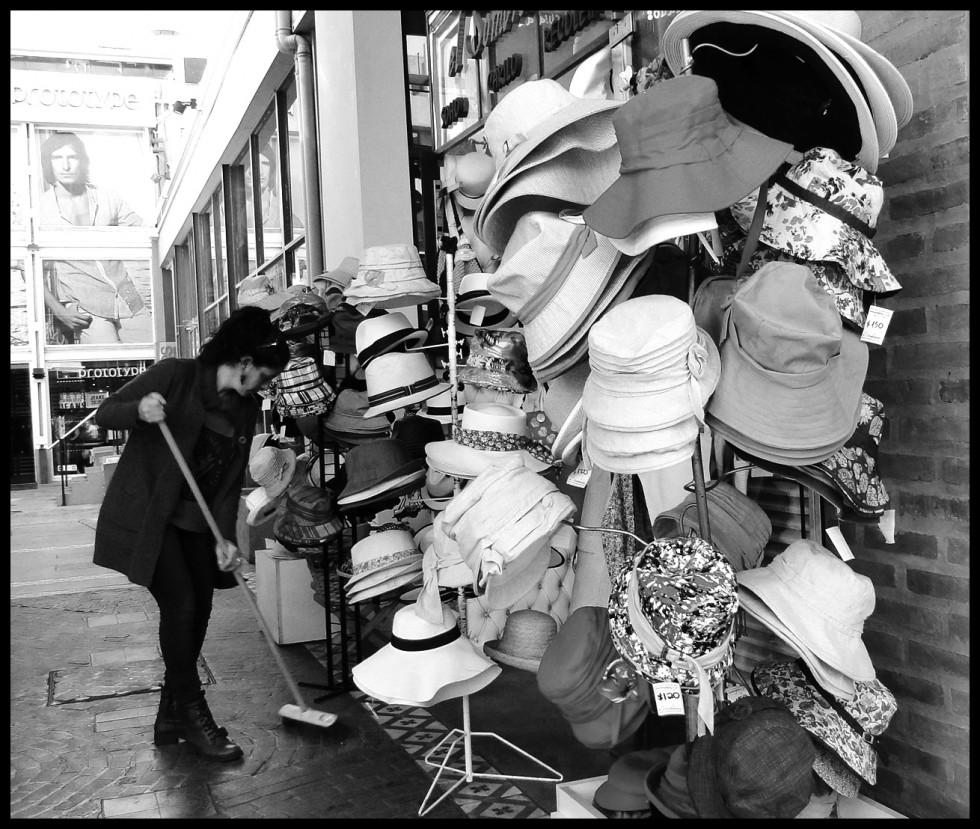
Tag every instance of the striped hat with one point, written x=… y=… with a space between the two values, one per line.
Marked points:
x=301 y=389
x=308 y=519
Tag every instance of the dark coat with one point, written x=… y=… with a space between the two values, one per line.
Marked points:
x=145 y=488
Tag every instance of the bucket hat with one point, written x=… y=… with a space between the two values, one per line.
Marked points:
x=563 y=406
x=301 y=313
x=469 y=178
x=757 y=764
x=498 y=360
x=672 y=615
x=825 y=208
x=309 y=517
x=391 y=548
x=632 y=453
x=438 y=407
x=340 y=277
x=487 y=433
x=347 y=423
x=791 y=86
x=817 y=603
x=272 y=469
x=424 y=663
x=398 y=379
x=391 y=276
x=849 y=728
x=474 y=294
x=739 y=526
x=526 y=635
x=378 y=468
x=301 y=389
x=518 y=577
x=258 y=290
x=682 y=153
x=343 y=326
x=791 y=374
x=388 y=332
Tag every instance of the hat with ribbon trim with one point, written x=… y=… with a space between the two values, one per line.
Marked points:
x=388 y=332
x=391 y=276
x=398 y=379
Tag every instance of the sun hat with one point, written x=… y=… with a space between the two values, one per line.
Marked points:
x=391 y=546
x=341 y=276
x=791 y=374
x=302 y=390
x=424 y=662
x=398 y=379
x=487 y=433
x=469 y=178
x=790 y=86
x=498 y=360
x=473 y=294
x=260 y=506
x=343 y=327
x=524 y=573
x=819 y=605
x=385 y=333
x=391 y=276
x=825 y=208
x=739 y=526
x=526 y=635
x=551 y=272
x=681 y=154
x=835 y=773
x=272 y=469
x=652 y=232
x=757 y=764
x=849 y=728
x=309 y=517
x=380 y=463
x=302 y=312
x=672 y=616
x=563 y=406
x=258 y=290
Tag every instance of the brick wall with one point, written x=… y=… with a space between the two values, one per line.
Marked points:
x=919 y=634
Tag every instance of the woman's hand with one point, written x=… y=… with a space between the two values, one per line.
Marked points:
x=229 y=558
x=152 y=408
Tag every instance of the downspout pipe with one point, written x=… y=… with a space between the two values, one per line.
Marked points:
x=299 y=47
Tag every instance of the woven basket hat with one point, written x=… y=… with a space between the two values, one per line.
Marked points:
x=526 y=636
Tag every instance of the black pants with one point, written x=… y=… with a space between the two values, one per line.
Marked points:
x=183 y=586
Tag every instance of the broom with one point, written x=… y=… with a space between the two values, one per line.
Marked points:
x=300 y=712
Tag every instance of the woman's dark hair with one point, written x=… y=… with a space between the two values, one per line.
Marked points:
x=56 y=142
x=248 y=332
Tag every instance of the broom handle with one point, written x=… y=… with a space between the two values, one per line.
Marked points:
x=220 y=539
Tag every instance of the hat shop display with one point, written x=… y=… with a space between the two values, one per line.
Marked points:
x=498 y=360
x=384 y=560
x=302 y=390
x=391 y=276
x=343 y=324
x=346 y=422
x=384 y=333
x=378 y=472
x=308 y=518
x=476 y=307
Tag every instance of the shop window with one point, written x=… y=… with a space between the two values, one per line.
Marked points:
x=294 y=161
x=219 y=256
x=18 y=305
x=567 y=36
x=268 y=199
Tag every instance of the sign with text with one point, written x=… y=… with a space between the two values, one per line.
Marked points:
x=60 y=98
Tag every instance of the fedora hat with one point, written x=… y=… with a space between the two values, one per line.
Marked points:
x=424 y=663
x=258 y=291
x=498 y=360
x=391 y=276
x=518 y=577
x=439 y=406
x=438 y=490
x=302 y=390
x=473 y=295
x=825 y=208
x=343 y=325
x=391 y=548
x=526 y=636
x=818 y=604
x=398 y=379
x=672 y=615
x=849 y=728
x=757 y=764
x=791 y=374
x=681 y=154
x=469 y=178
x=377 y=468
x=487 y=433
x=272 y=469
x=309 y=517
x=384 y=333
x=789 y=86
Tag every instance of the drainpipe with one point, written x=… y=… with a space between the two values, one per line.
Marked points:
x=298 y=46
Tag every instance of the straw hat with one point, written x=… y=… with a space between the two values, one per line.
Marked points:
x=388 y=552
x=391 y=276
x=411 y=575
x=309 y=517
x=272 y=469
x=381 y=334
x=398 y=379
x=498 y=360
x=474 y=294
x=526 y=636
x=379 y=468
x=424 y=663
x=810 y=97
x=258 y=290
x=666 y=168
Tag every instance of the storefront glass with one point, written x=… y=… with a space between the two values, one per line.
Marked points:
x=18 y=306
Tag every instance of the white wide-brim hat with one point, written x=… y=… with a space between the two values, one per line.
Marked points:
x=652 y=232
x=398 y=379
x=379 y=335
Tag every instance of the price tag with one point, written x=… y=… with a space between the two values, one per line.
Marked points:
x=887 y=525
x=476 y=315
x=669 y=698
x=840 y=543
x=266 y=404
x=579 y=478
x=364 y=308
x=329 y=358
x=877 y=324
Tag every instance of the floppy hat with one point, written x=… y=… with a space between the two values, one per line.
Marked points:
x=398 y=379
x=301 y=389
x=526 y=636
x=681 y=154
x=423 y=659
x=257 y=290
x=672 y=616
x=473 y=294
x=379 y=463
x=790 y=86
x=504 y=589
x=498 y=360
x=791 y=374
x=439 y=407
x=272 y=469
x=825 y=208
x=563 y=406
x=309 y=517
x=388 y=548
x=849 y=728
x=391 y=276
x=757 y=764
x=260 y=506
x=739 y=526
x=487 y=433
x=343 y=326
x=381 y=334
x=469 y=179
x=820 y=605
x=550 y=274
x=835 y=772
x=650 y=233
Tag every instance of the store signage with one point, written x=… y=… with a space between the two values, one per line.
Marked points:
x=457 y=57
x=494 y=26
x=55 y=97
x=504 y=73
x=455 y=110
x=567 y=25
x=111 y=371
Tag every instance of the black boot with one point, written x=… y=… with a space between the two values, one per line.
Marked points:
x=198 y=727
x=166 y=729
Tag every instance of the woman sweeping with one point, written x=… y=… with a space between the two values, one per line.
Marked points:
x=150 y=527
